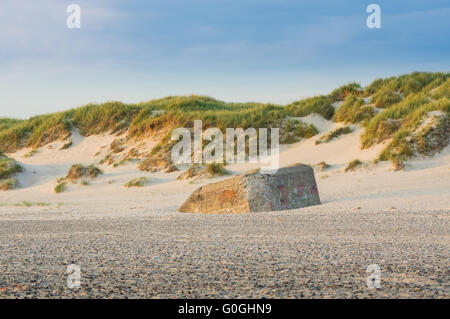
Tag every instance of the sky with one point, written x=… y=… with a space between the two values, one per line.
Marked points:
x=272 y=51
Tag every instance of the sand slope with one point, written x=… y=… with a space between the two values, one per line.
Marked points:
x=423 y=183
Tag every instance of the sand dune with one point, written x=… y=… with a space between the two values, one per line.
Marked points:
x=131 y=242
x=423 y=183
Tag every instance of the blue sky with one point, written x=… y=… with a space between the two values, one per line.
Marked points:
x=235 y=50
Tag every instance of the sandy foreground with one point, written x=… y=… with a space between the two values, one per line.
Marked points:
x=132 y=243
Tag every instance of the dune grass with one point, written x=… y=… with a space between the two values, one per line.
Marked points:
x=141 y=119
x=137 y=182
x=6 y=123
x=9 y=167
x=30 y=154
x=66 y=146
x=342 y=92
x=353 y=110
x=199 y=170
x=8 y=184
x=424 y=92
x=293 y=131
x=79 y=171
x=319 y=104
x=405 y=143
x=408 y=83
x=31 y=204
x=409 y=112
x=399 y=149
x=403 y=100
x=442 y=91
x=216 y=169
x=353 y=165
x=385 y=98
x=322 y=166
x=433 y=137
x=334 y=134
x=60 y=187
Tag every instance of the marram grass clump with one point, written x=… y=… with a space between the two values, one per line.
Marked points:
x=353 y=165
x=138 y=182
x=427 y=141
x=385 y=98
x=30 y=154
x=319 y=104
x=60 y=187
x=8 y=184
x=31 y=204
x=8 y=169
x=204 y=171
x=322 y=166
x=293 y=131
x=353 y=110
x=341 y=93
x=85 y=182
x=216 y=169
x=334 y=134
x=79 y=171
x=66 y=146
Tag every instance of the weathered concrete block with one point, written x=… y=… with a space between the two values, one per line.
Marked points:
x=291 y=187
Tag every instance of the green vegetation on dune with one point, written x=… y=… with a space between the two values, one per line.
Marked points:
x=138 y=119
x=433 y=137
x=258 y=116
x=353 y=165
x=422 y=93
x=209 y=170
x=9 y=183
x=6 y=123
x=408 y=113
x=60 y=187
x=31 y=204
x=8 y=169
x=353 y=110
x=137 y=182
x=334 y=134
x=79 y=171
x=30 y=154
x=442 y=91
x=404 y=102
x=319 y=104
x=427 y=141
x=216 y=169
x=408 y=84
x=95 y=119
x=35 y=132
x=341 y=93
x=195 y=103
x=385 y=98
x=293 y=131
x=322 y=166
